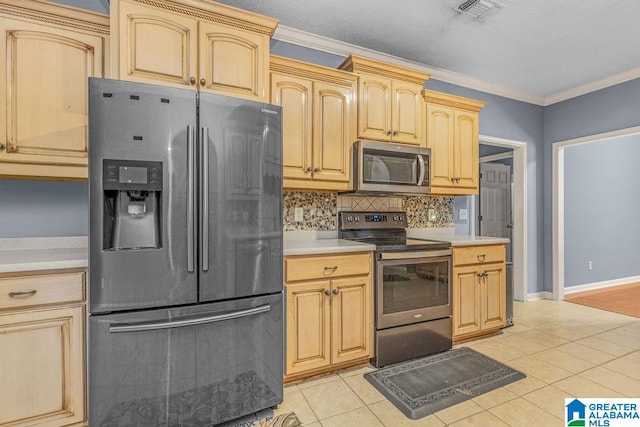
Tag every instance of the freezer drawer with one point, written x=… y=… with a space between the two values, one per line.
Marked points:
x=196 y=366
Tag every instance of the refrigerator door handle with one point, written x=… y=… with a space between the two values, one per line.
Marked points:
x=169 y=324
x=204 y=198
x=191 y=182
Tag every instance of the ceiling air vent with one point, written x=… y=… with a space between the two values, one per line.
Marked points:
x=480 y=9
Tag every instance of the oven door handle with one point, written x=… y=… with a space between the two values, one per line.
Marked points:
x=415 y=255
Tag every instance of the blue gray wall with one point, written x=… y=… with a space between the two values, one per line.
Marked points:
x=609 y=109
x=601 y=210
x=43 y=208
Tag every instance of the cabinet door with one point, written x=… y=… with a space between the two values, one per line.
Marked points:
x=493 y=297
x=332 y=132
x=351 y=319
x=374 y=108
x=295 y=96
x=155 y=46
x=466 y=295
x=42 y=375
x=407 y=113
x=43 y=111
x=233 y=61
x=308 y=326
x=465 y=150
x=439 y=140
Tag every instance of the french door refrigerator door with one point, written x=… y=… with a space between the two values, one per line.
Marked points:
x=240 y=147
x=192 y=366
x=142 y=167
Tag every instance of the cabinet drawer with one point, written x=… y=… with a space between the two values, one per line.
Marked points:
x=27 y=291
x=478 y=254
x=320 y=267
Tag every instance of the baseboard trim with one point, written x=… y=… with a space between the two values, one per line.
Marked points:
x=539 y=295
x=600 y=285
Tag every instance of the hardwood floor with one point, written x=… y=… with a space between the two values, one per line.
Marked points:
x=623 y=299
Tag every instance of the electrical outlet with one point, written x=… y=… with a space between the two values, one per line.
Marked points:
x=590 y=265
x=298 y=214
x=463 y=214
x=432 y=214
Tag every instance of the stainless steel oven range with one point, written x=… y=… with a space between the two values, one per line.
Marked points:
x=412 y=286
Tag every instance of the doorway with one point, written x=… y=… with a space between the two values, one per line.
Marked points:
x=518 y=230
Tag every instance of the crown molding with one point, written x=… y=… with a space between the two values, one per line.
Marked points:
x=335 y=47
x=325 y=44
x=625 y=76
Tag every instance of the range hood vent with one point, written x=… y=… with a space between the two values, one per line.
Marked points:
x=480 y=10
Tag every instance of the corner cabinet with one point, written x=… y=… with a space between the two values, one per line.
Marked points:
x=329 y=302
x=318 y=129
x=49 y=51
x=452 y=136
x=196 y=44
x=42 y=348
x=390 y=105
x=479 y=290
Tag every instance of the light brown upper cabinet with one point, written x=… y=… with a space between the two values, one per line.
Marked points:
x=390 y=105
x=452 y=135
x=318 y=123
x=49 y=51
x=192 y=43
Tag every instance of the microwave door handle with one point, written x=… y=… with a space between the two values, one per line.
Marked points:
x=422 y=169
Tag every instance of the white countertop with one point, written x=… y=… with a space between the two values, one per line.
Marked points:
x=42 y=253
x=449 y=235
x=320 y=242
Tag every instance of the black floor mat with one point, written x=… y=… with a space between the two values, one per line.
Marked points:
x=423 y=386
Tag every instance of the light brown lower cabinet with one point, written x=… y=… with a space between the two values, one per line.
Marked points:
x=42 y=349
x=329 y=320
x=479 y=291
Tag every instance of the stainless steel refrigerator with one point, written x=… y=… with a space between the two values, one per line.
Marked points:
x=185 y=256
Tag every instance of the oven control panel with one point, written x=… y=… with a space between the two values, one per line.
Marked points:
x=354 y=220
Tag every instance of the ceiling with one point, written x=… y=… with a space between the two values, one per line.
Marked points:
x=540 y=51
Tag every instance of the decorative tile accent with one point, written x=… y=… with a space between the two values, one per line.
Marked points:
x=417 y=208
x=320 y=209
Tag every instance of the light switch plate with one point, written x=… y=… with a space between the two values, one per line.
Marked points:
x=463 y=214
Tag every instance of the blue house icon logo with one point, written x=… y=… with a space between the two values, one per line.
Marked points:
x=576 y=413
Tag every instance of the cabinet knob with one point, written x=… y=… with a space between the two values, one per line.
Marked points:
x=2 y=146
x=389 y=132
x=316 y=170
x=202 y=82
x=327 y=292
x=307 y=170
x=395 y=133
x=336 y=291
x=192 y=80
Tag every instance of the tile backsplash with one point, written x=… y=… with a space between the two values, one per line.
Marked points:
x=320 y=210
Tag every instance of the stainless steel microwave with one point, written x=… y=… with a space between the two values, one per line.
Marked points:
x=384 y=167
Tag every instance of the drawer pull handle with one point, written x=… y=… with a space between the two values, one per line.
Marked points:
x=22 y=294
x=481 y=257
x=331 y=269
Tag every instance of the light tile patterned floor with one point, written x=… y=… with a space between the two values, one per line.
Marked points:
x=566 y=350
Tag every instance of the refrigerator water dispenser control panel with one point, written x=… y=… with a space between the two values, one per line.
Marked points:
x=131 y=175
